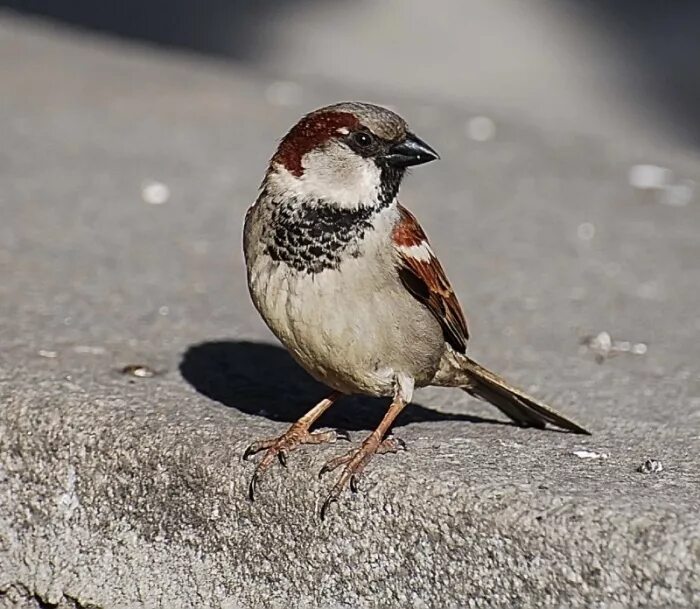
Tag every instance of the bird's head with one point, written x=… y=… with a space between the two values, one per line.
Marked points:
x=349 y=154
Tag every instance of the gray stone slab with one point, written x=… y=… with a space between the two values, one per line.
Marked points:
x=120 y=491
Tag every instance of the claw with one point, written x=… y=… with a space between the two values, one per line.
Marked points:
x=326 y=505
x=341 y=434
x=324 y=470
x=353 y=483
x=249 y=452
x=252 y=486
x=282 y=457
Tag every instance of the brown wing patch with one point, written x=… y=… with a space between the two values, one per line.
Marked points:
x=424 y=277
x=311 y=131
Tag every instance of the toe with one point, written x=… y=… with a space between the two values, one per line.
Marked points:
x=335 y=463
x=391 y=444
x=258 y=446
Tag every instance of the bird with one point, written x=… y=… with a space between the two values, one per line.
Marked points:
x=346 y=279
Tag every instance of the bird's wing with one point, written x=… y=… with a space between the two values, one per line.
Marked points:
x=423 y=276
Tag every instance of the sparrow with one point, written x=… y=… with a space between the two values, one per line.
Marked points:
x=347 y=280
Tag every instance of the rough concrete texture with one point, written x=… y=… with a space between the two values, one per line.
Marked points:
x=119 y=491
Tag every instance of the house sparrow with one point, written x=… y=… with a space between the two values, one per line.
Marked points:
x=345 y=277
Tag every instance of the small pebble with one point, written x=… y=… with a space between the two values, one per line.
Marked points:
x=604 y=346
x=600 y=345
x=155 y=193
x=139 y=371
x=639 y=349
x=650 y=466
x=47 y=353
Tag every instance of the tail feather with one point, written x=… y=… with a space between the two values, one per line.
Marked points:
x=515 y=404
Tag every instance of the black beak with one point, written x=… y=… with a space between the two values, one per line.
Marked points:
x=411 y=151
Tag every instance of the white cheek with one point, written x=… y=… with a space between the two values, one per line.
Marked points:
x=354 y=187
x=349 y=182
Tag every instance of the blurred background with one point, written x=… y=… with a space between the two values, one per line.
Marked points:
x=628 y=68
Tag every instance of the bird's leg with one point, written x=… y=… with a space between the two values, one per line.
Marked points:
x=296 y=435
x=356 y=460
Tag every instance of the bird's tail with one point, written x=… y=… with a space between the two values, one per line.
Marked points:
x=520 y=407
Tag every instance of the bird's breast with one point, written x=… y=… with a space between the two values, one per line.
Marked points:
x=352 y=324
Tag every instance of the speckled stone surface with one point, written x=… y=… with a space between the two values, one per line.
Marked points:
x=119 y=491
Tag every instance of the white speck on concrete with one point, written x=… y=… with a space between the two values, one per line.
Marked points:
x=480 y=129
x=89 y=350
x=139 y=371
x=47 y=353
x=155 y=193
x=678 y=195
x=68 y=500
x=601 y=343
x=586 y=231
x=649 y=290
x=671 y=192
x=590 y=454
x=649 y=177
x=604 y=346
x=639 y=349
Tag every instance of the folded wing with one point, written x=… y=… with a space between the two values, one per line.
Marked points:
x=424 y=277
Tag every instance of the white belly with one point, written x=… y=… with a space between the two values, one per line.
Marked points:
x=353 y=332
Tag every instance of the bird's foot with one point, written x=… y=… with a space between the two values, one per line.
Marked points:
x=355 y=461
x=280 y=446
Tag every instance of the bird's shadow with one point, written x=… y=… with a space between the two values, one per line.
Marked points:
x=263 y=380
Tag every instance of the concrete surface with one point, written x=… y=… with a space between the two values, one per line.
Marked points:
x=118 y=491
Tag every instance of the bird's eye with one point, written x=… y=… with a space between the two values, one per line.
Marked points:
x=362 y=139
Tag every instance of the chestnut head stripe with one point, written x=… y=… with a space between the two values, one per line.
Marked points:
x=309 y=133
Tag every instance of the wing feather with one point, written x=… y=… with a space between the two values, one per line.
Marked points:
x=423 y=276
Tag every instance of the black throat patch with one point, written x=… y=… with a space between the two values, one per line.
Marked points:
x=312 y=236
